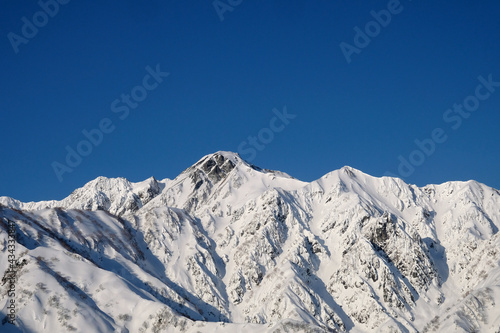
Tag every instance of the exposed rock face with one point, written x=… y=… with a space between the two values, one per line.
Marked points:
x=228 y=246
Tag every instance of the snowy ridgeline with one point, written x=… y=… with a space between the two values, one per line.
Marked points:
x=229 y=247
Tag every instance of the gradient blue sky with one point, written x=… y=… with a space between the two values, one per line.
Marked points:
x=227 y=76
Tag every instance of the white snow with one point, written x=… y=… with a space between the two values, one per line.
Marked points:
x=227 y=246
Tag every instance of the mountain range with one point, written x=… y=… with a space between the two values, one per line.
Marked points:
x=227 y=246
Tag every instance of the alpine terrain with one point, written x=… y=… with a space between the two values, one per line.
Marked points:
x=229 y=247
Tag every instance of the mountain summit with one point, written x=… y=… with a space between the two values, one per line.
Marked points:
x=229 y=247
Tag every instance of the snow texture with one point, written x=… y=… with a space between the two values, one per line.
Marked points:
x=230 y=247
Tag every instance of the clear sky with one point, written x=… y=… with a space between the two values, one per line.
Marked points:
x=316 y=85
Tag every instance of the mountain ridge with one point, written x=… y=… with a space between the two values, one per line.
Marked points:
x=234 y=157
x=229 y=246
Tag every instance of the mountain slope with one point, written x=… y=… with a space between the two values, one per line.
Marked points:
x=228 y=246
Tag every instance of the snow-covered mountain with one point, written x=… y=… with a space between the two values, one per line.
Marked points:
x=230 y=247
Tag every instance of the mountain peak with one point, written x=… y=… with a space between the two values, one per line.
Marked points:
x=351 y=172
x=217 y=165
x=221 y=156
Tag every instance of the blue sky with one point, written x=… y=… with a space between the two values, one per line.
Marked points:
x=225 y=78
